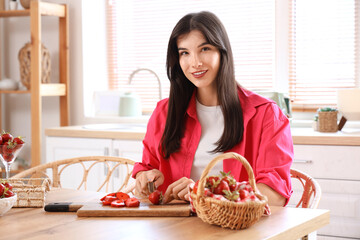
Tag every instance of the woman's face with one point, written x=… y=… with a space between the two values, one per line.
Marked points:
x=199 y=60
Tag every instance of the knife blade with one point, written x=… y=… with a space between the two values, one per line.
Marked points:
x=151 y=187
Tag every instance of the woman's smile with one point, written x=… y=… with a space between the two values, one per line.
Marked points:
x=199 y=74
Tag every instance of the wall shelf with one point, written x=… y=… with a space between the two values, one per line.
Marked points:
x=37 y=89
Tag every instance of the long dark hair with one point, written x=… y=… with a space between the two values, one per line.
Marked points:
x=181 y=89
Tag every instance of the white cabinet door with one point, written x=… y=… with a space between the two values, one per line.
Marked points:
x=336 y=168
x=131 y=149
x=58 y=148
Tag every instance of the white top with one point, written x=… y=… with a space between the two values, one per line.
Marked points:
x=212 y=126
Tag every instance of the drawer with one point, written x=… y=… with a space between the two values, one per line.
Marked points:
x=328 y=162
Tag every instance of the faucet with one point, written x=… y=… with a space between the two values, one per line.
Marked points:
x=151 y=71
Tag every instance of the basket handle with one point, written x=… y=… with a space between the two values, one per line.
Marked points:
x=244 y=162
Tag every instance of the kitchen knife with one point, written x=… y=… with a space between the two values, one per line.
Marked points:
x=63 y=206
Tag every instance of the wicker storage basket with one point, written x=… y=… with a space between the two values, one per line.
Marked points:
x=228 y=214
x=327 y=121
x=30 y=191
x=24 y=57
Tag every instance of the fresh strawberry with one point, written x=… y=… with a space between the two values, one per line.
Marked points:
x=235 y=187
x=208 y=192
x=18 y=140
x=223 y=186
x=2 y=189
x=232 y=196
x=6 y=137
x=8 y=147
x=8 y=185
x=8 y=157
x=8 y=193
x=228 y=177
x=156 y=197
x=212 y=182
x=244 y=194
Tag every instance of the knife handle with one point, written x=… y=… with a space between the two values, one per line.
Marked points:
x=62 y=207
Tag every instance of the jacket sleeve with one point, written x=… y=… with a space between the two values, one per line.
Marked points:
x=275 y=152
x=150 y=159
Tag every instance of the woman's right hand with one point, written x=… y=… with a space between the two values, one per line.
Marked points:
x=142 y=179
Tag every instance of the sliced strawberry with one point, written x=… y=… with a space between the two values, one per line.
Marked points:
x=117 y=203
x=132 y=202
x=122 y=196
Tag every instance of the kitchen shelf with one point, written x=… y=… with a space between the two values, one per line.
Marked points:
x=46 y=89
x=43 y=8
x=37 y=89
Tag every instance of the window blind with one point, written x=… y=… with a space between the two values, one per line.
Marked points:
x=324 y=45
x=139 y=31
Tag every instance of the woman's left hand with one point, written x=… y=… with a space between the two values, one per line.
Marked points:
x=178 y=190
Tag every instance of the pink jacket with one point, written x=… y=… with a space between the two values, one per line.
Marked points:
x=267 y=144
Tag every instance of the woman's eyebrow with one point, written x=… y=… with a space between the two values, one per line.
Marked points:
x=202 y=44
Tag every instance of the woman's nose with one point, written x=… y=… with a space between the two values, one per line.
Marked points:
x=196 y=61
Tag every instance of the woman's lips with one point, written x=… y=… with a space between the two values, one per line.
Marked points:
x=199 y=74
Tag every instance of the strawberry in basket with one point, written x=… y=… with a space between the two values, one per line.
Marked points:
x=223 y=201
x=225 y=187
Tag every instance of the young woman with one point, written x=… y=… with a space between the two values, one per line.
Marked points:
x=208 y=113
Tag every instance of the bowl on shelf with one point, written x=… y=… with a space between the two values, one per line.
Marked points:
x=6 y=204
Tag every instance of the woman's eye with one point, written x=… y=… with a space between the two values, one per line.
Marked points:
x=183 y=53
x=205 y=49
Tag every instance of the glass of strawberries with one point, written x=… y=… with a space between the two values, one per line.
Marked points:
x=9 y=149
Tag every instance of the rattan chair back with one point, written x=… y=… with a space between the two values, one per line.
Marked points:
x=311 y=189
x=110 y=167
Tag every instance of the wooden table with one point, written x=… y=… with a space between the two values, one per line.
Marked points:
x=34 y=223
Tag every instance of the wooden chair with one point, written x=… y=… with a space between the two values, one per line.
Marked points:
x=103 y=172
x=311 y=194
x=311 y=189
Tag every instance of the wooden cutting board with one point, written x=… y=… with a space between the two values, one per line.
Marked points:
x=146 y=209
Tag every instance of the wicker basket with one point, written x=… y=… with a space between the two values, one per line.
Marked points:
x=228 y=214
x=327 y=121
x=30 y=191
x=24 y=57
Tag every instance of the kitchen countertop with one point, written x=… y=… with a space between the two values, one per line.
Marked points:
x=347 y=137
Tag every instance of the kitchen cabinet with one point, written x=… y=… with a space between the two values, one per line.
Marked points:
x=58 y=148
x=37 y=89
x=336 y=168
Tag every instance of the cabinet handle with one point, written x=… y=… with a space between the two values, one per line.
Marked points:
x=106 y=151
x=302 y=161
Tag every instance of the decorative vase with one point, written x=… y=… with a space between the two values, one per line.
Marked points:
x=12 y=5
x=25 y=4
x=24 y=57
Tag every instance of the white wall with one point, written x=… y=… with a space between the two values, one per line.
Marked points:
x=15 y=32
